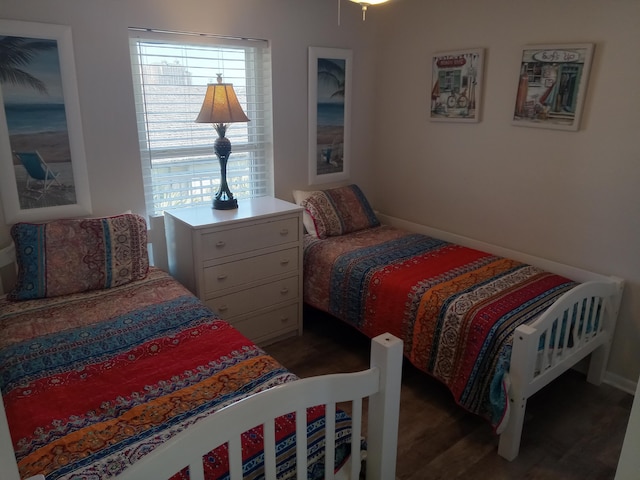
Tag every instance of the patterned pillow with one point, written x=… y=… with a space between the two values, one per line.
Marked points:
x=300 y=196
x=70 y=256
x=339 y=210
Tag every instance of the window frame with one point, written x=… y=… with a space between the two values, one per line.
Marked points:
x=253 y=157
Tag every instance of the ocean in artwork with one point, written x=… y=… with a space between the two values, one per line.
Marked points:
x=331 y=114
x=29 y=118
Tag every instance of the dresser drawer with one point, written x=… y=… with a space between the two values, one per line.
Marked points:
x=269 y=324
x=231 y=274
x=245 y=301
x=244 y=239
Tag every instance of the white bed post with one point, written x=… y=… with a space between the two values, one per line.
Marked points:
x=598 y=363
x=384 y=409
x=8 y=464
x=524 y=345
x=600 y=356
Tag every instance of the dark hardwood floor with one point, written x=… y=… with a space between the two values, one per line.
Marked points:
x=573 y=430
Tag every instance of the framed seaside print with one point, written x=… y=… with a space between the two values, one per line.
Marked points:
x=330 y=77
x=456 y=85
x=552 y=84
x=42 y=158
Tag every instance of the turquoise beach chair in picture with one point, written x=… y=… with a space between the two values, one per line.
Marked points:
x=37 y=172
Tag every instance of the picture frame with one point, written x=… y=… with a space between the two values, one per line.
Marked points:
x=42 y=156
x=330 y=79
x=456 y=85
x=552 y=85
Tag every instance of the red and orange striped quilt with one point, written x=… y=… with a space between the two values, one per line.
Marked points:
x=455 y=308
x=93 y=381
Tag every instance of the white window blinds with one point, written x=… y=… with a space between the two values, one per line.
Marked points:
x=170 y=76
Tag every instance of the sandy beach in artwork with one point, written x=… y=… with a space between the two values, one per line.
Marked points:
x=52 y=146
x=54 y=149
x=328 y=134
x=330 y=137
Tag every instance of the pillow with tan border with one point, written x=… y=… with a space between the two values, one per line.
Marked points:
x=340 y=210
x=75 y=255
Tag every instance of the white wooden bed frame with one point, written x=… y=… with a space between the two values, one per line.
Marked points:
x=380 y=383
x=532 y=369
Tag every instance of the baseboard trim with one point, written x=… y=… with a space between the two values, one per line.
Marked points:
x=620 y=383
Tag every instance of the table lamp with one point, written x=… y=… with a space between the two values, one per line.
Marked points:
x=221 y=107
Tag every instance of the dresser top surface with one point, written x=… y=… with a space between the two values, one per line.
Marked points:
x=248 y=209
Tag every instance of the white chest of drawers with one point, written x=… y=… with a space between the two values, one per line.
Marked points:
x=246 y=264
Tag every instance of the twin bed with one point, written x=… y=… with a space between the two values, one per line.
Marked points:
x=492 y=328
x=109 y=367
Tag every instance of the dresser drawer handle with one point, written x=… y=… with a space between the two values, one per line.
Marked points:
x=284 y=232
x=220 y=244
x=284 y=262
x=284 y=291
x=222 y=276
x=223 y=308
x=284 y=319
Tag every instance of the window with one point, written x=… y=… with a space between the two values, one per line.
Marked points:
x=534 y=73
x=170 y=76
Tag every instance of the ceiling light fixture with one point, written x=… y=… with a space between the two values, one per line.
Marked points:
x=367 y=3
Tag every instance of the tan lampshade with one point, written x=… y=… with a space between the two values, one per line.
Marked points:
x=221 y=105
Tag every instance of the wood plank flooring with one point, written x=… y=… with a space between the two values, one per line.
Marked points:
x=573 y=430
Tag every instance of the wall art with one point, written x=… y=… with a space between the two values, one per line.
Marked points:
x=456 y=85
x=42 y=159
x=330 y=78
x=552 y=85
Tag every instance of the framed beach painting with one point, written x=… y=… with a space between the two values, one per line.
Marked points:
x=330 y=78
x=552 y=85
x=42 y=159
x=456 y=85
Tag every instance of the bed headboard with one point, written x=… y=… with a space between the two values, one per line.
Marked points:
x=7 y=274
x=574 y=273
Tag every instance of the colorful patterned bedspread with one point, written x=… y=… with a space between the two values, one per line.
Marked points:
x=455 y=308
x=91 y=382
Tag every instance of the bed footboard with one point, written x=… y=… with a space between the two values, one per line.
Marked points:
x=579 y=323
x=381 y=383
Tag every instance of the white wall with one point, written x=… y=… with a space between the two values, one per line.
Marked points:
x=99 y=29
x=568 y=196
x=572 y=197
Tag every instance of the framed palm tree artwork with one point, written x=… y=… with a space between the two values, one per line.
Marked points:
x=330 y=78
x=42 y=159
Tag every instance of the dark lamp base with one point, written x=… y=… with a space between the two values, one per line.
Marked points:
x=223 y=199
x=225 y=204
